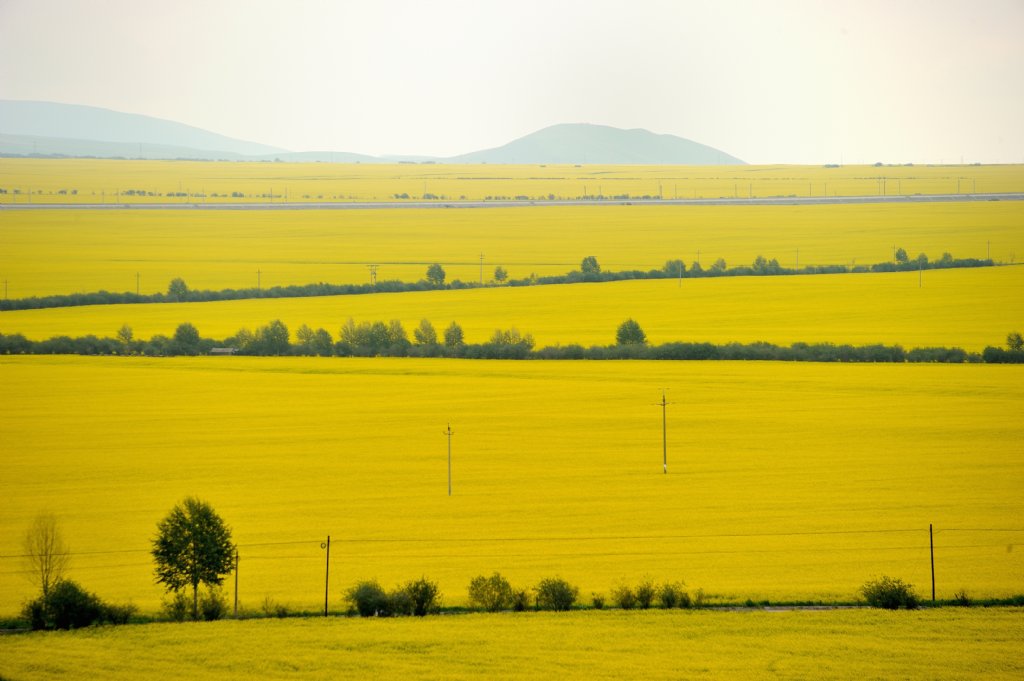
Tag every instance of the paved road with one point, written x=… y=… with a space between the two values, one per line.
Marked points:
x=395 y=205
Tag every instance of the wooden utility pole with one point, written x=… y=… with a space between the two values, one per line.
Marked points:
x=664 y=433
x=931 y=548
x=327 y=573
x=449 y=433
x=236 y=583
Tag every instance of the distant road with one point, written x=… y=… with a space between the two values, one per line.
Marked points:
x=395 y=205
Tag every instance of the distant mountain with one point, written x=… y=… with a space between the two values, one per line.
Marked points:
x=585 y=143
x=75 y=122
x=51 y=129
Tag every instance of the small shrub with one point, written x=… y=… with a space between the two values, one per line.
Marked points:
x=272 y=608
x=698 y=598
x=424 y=595
x=890 y=594
x=961 y=598
x=671 y=595
x=399 y=603
x=367 y=598
x=520 y=600
x=492 y=593
x=684 y=600
x=624 y=597
x=555 y=594
x=645 y=593
x=66 y=606
x=178 y=608
x=118 y=614
x=598 y=601
x=212 y=605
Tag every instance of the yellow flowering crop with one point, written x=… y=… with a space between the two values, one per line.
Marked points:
x=786 y=481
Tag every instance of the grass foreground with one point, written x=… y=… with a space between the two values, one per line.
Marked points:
x=948 y=643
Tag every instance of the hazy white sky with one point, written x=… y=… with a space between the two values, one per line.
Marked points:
x=787 y=81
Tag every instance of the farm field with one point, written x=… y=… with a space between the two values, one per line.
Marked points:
x=786 y=481
x=67 y=251
x=968 y=308
x=937 y=644
x=124 y=181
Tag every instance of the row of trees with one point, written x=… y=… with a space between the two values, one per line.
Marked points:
x=590 y=271
x=390 y=339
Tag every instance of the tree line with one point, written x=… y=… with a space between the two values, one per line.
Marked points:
x=390 y=339
x=590 y=271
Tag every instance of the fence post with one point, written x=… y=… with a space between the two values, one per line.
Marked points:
x=236 y=582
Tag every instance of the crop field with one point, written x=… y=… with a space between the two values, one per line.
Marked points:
x=785 y=481
x=938 y=644
x=123 y=181
x=67 y=251
x=968 y=308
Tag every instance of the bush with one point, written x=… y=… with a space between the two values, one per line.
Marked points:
x=492 y=593
x=961 y=598
x=624 y=597
x=272 y=608
x=118 y=614
x=66 y=606
x=520 y=600
x=212 y=605
x=368 y=598
x=555 y=594
x=645 y=593
x=672 y=595
x=598 y=601
x=178 y=608
x=424 y=596
x=890 y=594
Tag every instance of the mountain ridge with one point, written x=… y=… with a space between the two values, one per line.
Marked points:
x=50 y=129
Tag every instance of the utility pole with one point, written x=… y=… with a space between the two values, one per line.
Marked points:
x=136 y=283
x=481 y=268
x=327 y=572
x=259 y=282
x=449 y=433
x=373 y=274
x=236 y=583
x=931 y=549
x=664 y=432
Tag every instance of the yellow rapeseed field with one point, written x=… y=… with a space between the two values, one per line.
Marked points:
x=68 y=251
x=786 y=481
x=968 y=308
x=123 y=181
x=939 y=644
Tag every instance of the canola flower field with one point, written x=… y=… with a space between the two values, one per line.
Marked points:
x=114 y=181
x=785 y=482
x=67 y=251
x=938 y=644
x=968 y=308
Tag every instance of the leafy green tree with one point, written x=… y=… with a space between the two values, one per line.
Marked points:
x=492 y=593
x=177 y=290
x=435 y=275
x=590 y=266
x=425 y=334
x=272 y=339
x=1014 y=341
x=719 y=266
x=674 y=268
x=921 y=260
x=901 y=256
x=500 y=274
x=511 y=337
x=630 y=333
x=187 y=338
x=556 y=594
x=192 y=547
x=696 y=268
x=125 y=335
x=453 y=337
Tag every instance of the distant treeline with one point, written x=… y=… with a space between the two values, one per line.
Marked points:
x=380 y=339
x=590 y=271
